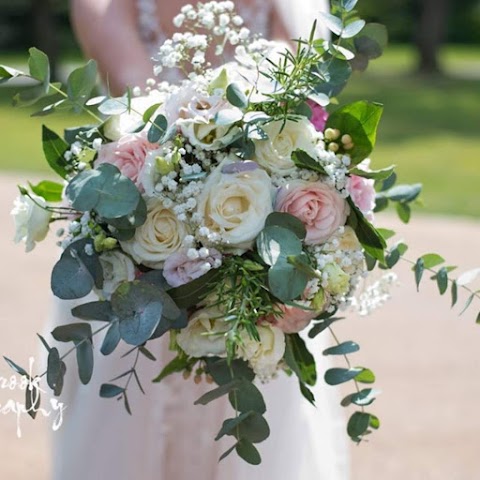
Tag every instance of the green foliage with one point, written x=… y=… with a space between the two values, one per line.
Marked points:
x=77 y=271
x=81 y=83
x=342 y=349
x=301 y=159
x=178 y=364
x=236 y=96
x=54 y=149
x=336 y=376
x=104 y=190
x=81 y=335
x=111 y=340
x=50 y=191
x=158 y=129
x=97 y=310
x=359 y=120
x=56 y=370
x=139 y=308
x=108 y=390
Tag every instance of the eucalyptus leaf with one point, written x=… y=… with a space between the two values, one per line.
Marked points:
x=111 y=340
x=333 y=23
x=365 y=376
x=378 y=175
x=353 y=28
x=302 y=159
x=236 y=96
x=81 y=82
x=442 y=280
x=107 y=390
x=336 y=376
x=362 y=398
x=223 y=372
x=247 y=397
x=253 y=428
x=16 y=368
x=114 y=106
x=299 y=359
x=419 y=268
x=216 y=393
x=285 y=281
x=332 y=77
x=358 y=425
x=404 y=211
x=139 y=307
x=321 y=326
x=97 y=310
x=248 y=452
x=178 y=364
x=276 y=243
x=105 y=190
x=344 y=348
x=158 y=129
x=39 y=65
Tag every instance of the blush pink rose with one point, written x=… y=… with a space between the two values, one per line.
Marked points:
x=128 y=155
x=320 y=208
x=362 y=191
x=292 y=319
x=319 y=116
x=179 y=269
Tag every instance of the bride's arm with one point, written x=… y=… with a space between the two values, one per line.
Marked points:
x=107 y=31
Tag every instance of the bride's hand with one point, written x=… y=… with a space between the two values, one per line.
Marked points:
x=107 y=31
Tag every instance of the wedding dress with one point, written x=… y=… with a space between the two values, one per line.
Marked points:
x=167 y=437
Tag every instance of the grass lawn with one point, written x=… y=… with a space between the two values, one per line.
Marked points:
x=430 y=128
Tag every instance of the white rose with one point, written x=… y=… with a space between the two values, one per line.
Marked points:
x=263 y=356
x=199 y=338
x=338 y=282
x=161 y=235
x=275 y=153
x=117 y=268
x=31 y=220
x=118 y=126
x=236 y=205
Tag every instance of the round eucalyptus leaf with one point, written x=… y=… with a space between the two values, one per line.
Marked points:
x=247 y=397
x=358 y=425
x=336 y=376
x=286 y=282
x=248 y=452
x=253 y=428
x=100 y=310
x=134 y=220
x=105 y=190
x=275 y=243
x=223 y=373
x=285 y=220
x=139 y=307
x=344 y=348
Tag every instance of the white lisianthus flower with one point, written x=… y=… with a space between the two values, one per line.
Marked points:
x=31 y=220
x=120 y=125
x=199 y=338
x=263 y=356
x=207 y=135
x=117 y=268
x=235 y=202
x=158 y=162
x=161 y=235
x=275 y=153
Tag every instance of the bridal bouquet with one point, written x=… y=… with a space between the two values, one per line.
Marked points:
x=230 y=210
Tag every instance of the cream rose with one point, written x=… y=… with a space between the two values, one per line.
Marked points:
x=275 y=153
x=117 y=268
x=235 y=205
x=31 y=220
x=161 y=235
x=263 y=356
x=199 y=338
x=319 y=206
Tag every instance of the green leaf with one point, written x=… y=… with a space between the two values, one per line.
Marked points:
x=158 y=129
x=81 y=82
x=468 y=303
x=393 y=257
x=348 y=5
x=299 y=359
x=385 y=233
x=362 y=398
x=98 y=310
x=374 y=422
x=50 y=191
x=107 y=390
x=353 y=29
x=285 y=281
x=111 y=340
x=227 y=453
x=114 y=106
x=139 y=307
x=217 y=393
x=72 y=332
x=358 y=425
x=190 y=294
x=454 y=293
x=178 y=364
x=404 y=212
x=365 y=376
x=147 y=353
x=223 y=372
x=105 y=190
x=307 y=393
x=403 y=193
x=360 y=120
x=431 y=260
x=247 y=397
x=253 y=428
x=336 y=376
x=248 y=452
x=344 y=348
x=275 y=243
x=302 y=159
x=132 y=221
x=332 y=76
x=419 y=268
x=236 y=96
x=7 y=73
x=377 y=175
x=85 y=361
x=32 y=399
x=372 y=40
x=16 y=368
x=368 y=236
x=54 y=148
x=77 y=272
x=39 y=65
x=56 y=369
x=333 y=23
x=442 y=280
x=231 y=424
x=287 y=221
x=322 y=326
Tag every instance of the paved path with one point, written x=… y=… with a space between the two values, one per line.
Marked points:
x=426 y=359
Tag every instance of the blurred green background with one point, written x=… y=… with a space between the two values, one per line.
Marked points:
x=428 y=79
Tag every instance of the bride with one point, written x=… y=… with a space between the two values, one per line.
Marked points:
x=167 y=437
